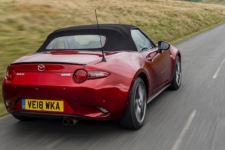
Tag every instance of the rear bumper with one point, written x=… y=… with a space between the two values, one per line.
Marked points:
x=80 y=100
x=57 y=116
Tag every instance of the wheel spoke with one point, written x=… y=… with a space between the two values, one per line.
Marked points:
x=138 y=113
x=178 y=72
x=136 y=101
x=140 y=92
x=178 y=66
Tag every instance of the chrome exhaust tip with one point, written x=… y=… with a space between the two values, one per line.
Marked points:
x=72 y=121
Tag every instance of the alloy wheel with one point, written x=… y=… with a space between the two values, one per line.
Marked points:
x=140 y=103
x=178 y=72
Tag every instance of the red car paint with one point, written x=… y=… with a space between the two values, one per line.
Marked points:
x=81 y=99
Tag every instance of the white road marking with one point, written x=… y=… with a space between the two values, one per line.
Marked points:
x=183 y=132
x=218 y=70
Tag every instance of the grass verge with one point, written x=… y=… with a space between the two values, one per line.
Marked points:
x=196 y=33
x=2 y=109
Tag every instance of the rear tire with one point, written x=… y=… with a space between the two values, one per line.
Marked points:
x=136 y=110
x=176 y=82
x=23 y=118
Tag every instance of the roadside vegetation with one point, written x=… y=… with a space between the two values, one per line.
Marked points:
x=208 y=1
x=25 y=24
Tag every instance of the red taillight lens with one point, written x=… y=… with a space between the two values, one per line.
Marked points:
x=80 y=75
x=10 y=74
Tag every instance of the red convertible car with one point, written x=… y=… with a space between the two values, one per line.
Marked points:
x=86 y=72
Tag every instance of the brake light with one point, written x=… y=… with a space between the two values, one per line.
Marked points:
x=10 y=74
x=82 y=75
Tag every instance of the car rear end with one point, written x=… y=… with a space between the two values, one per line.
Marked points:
x=64 y=90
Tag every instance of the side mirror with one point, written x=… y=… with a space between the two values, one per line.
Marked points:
x=163 y=46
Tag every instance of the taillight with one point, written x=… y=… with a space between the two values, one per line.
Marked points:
x=10 y=74
x=97 y=74
x=81 y=75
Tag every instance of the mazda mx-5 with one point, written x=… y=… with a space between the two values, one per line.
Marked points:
x=105 y=72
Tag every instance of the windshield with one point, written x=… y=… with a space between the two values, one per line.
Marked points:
x=77 y=42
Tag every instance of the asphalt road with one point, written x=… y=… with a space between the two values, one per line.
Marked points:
x=192 y=118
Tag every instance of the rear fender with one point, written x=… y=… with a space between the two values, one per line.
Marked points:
x=139 y=73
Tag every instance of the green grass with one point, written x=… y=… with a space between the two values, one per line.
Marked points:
x=195 y=33
x=24 y=24
x=2 y=109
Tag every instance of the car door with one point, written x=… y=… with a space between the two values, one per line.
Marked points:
x=157 y=64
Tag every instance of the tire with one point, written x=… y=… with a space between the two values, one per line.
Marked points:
x=134 y=116
x=176 y=82
x=23 y=118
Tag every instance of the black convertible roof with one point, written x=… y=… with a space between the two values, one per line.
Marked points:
x=116 y=27
x=118 y=36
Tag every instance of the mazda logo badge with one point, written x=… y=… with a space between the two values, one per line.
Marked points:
x=41 y=67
